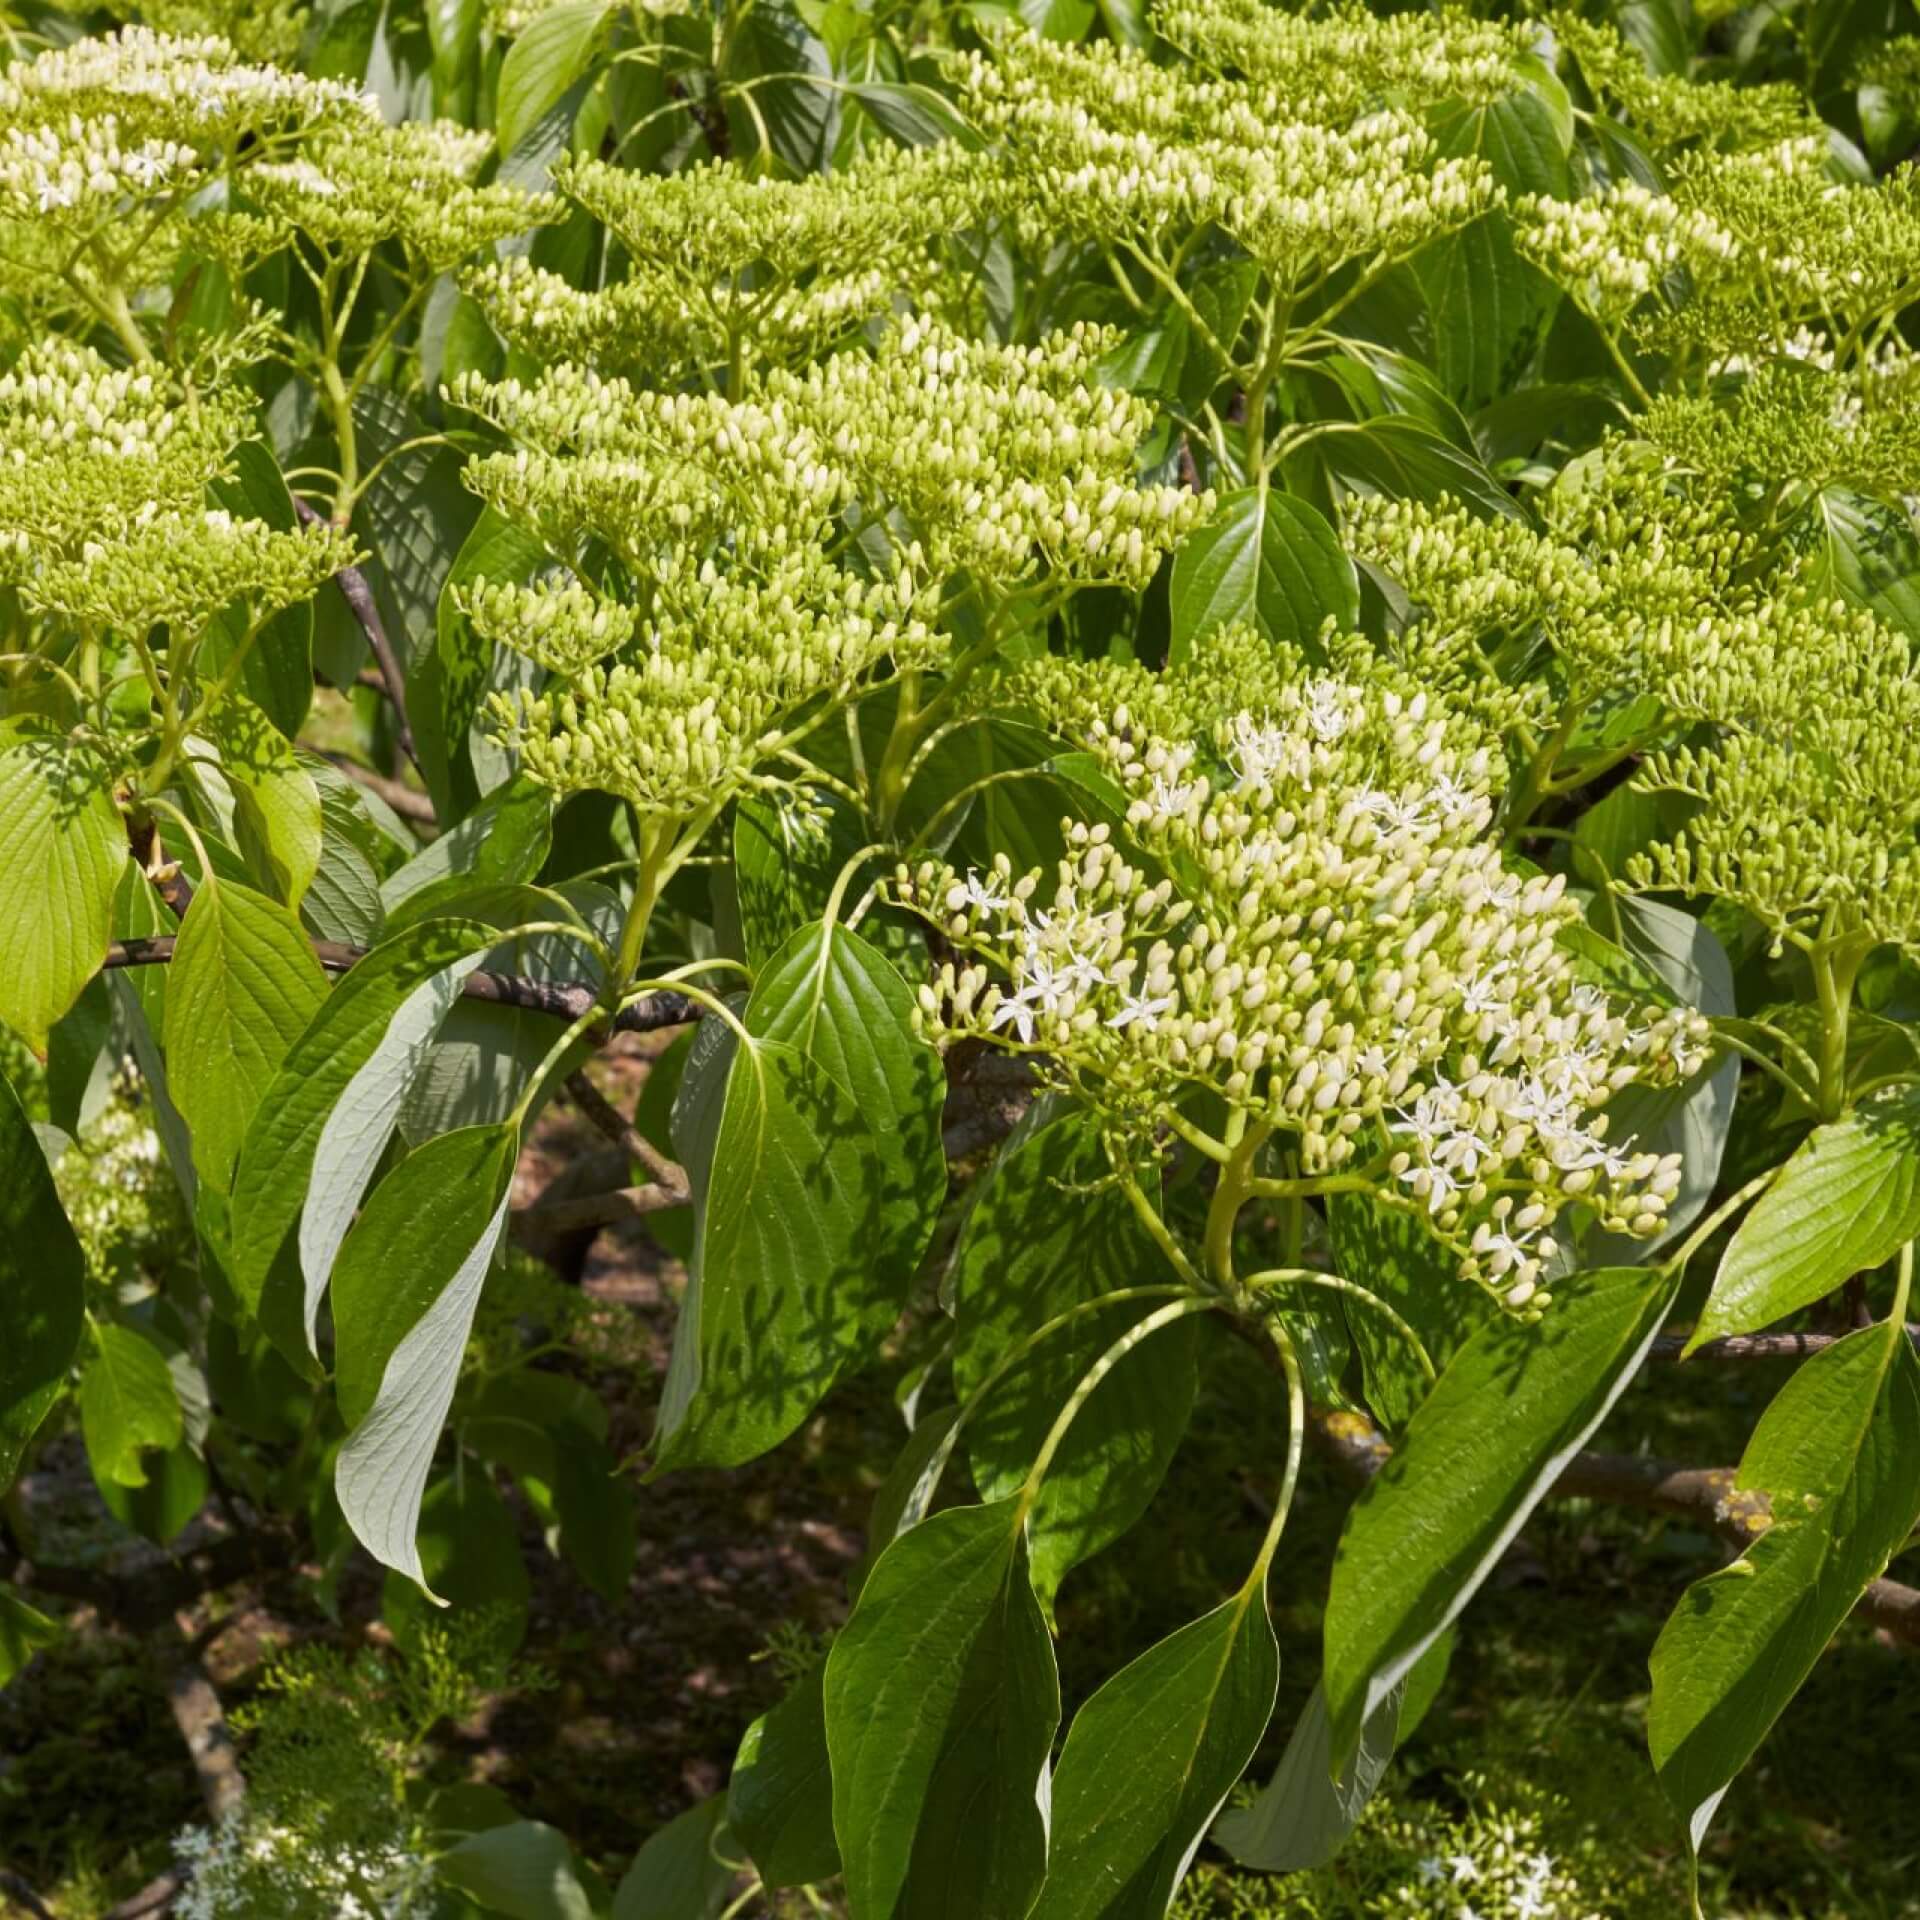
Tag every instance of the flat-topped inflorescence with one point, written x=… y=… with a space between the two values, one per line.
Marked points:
x=1317 y=929
x=725 y=268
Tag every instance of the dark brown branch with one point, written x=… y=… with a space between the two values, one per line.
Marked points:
x=1758 y=1346
x=1706 y=1496
x=624 y=1134
x=143 y=838
x=359 y=598
x=563 y=1000
x=406 y=801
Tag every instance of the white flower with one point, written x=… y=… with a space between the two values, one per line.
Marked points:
x=1327 y=709
x=978 y=893
x=1169 y=798
x=1482 y=993
x=1430 y=1870
x=1463 y=1870
x=1016 y=1010
x=1136 y=1007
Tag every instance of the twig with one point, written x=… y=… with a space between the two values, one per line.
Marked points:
x=19 y=1894
x=545 y=1220
x=563 y=1000
x=406 y=801
x=1757 y=1346
x=153 y=1899
x=1708 y=1496
x=359 y=598
x=624 y=1134
x=203 y=1726
x=173 y=886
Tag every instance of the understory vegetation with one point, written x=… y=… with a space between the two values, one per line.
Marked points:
x=962 y=959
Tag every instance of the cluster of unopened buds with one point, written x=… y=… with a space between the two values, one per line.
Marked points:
x=1332 y=946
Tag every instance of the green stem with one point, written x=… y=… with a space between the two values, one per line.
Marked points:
x=1134 y=1335
x=1296 y=1444
x=1230 y=1193
x=1334 y=1283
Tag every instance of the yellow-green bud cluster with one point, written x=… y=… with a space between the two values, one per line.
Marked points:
x=723 y=264
x=717 y=686
x=349 y=191
x=1339 y=62
x=1335 y=948
x=1670 y=110
x=1108 y=145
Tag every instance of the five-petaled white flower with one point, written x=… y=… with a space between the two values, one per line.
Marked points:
x=1137 y=1009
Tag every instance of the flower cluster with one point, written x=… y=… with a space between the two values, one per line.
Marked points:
x=1112 y=147
x=1338 y=63
x=137 y=115
x=248 y=1864
x=348 y=191
x=1670 y=110
x=1317 y=930
x=724 y=265
x=737 y=607
x=1822 y=698
x=103 y=480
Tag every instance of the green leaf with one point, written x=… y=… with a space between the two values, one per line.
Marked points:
x=23 y=1632
x=786 y=856
x=1491 y=308
x=1847 y=1200
x=1405 y=459
x=1834 y=1457
x=79 y=1064
x=1436 y=1519
x=277 y=674
x=42 y=1285
x=525 y=1870
x=1267 y=558
x=1150 y=1758
x=1694 y=1118
x=1305 y=1811
x=127 y=1404
x=338 y=1077
x=444 y=698
x=405 y=1287
x=275 y=801
x=684 y=1872
x=242 y=987
x=914 y=115
x=1048 y=1230
x=542 y=64
x=941 y=1703
x=469 y=1545
x=1525 y=136
x=1391 y=1254
x=503 y=842
x=59 y=825
x=1868 y=552
x=780 y=1798
x=813 y=1202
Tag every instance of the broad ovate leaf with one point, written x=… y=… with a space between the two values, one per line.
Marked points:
x=1151 y=1757
x=1266 y=558
x=780 y=1798
x=242 y=988
x=817 y=1177
x=42 y=1285
x=941 y=1705
x=1847 y=1200
x=405 y=1286
x=1834 y=1457
x=128 y=1405
x=542 y=64
x=63 y=842
x=276 y=803
x=524 y=1869
x=1508 y=1412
